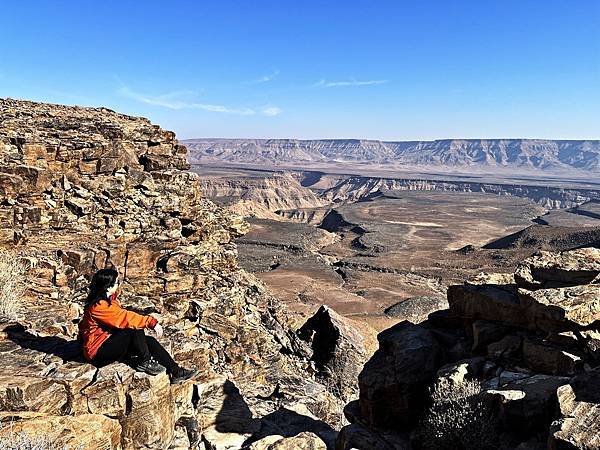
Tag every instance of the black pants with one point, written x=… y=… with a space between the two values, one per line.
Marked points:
x=135 y=345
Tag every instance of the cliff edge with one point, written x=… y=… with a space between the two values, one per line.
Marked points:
x=87 y=188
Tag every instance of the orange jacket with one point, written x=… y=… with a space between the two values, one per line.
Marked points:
x=101 y=318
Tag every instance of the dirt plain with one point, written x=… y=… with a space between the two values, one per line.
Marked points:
x=363 y=257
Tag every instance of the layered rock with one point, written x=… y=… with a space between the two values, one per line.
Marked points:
x=87 y=188
x=498 y=154
x=262 y=197
x=515 y=358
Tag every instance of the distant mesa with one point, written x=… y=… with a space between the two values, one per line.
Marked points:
x=525 y=154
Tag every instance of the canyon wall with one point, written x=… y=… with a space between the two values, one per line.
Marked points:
x=538 y=154
x=261 y=196
x=357 y=188
x=87 y=188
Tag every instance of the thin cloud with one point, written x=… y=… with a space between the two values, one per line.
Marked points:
x=325 y=83
x=173 y=100
x=267 y=78
x=271 y=111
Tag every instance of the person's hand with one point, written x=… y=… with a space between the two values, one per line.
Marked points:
x=158 y=330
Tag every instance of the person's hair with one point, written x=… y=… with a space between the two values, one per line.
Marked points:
x=101 y=282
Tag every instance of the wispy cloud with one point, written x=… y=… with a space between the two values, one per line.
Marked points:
x=271 y=111
x=267 y=78
x=325 y=83
x=175 y=100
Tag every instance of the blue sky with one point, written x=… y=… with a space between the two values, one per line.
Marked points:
x=393 y=70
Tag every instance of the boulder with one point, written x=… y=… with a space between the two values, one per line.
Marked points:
x=544 y=357
x=223 y=416
x=291 y=421
x=107 y=393
x=338 y=351
x=23 y=393
x=356 y=436
x=393 y=383
x=487 y=302
x=150 y=419
x=526 y=404
x=93 y=431
x=486 y=332
x=568 y=268
x=560 y=309
x=302 y=441
x=506 y=349
x=579 y=424
x=416 y=309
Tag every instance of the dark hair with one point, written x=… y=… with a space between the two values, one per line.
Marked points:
x=102 y=280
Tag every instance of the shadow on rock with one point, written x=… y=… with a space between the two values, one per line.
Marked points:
x=235 y=413
x=53 y=345
x=287 y=423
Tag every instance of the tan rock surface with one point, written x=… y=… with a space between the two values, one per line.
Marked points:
x=579 y=425
x=547 y=269
x=87 y=188
x=579 y=305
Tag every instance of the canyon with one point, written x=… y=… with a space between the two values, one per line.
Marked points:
x=363 y=244
x=324 y=310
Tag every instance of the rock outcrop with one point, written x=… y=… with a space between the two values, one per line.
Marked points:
x=338 y=351
x=87 y=188
x=517 y=358
x=261 y=196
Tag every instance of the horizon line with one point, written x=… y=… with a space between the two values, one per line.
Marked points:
x=387 y=140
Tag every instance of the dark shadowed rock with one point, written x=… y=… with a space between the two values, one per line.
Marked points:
x=355 y=436
x=337 y=349
x=393 y=383
x=545 y=357
x=486 y=332
x=526 y=404
x=531 y=351
x=487 y=302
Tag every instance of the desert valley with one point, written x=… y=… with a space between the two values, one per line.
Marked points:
x=379 y=244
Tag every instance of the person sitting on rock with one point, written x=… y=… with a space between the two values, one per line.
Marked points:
x=109 y=332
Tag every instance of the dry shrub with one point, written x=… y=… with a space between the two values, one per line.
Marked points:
x=12 y=440
x=12 y=286
x=458 y=418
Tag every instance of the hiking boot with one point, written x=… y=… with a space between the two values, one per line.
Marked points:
x=150 y=366
x=180 y=375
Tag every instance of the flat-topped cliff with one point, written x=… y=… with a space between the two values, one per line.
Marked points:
x=524 y=154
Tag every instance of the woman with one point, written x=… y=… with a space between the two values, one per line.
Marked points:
x=111 y=333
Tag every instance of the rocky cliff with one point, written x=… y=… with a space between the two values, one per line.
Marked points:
x=86 y=188
x=358 y=188
x=538 y=154
x=514 y=363
x=261 y=196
